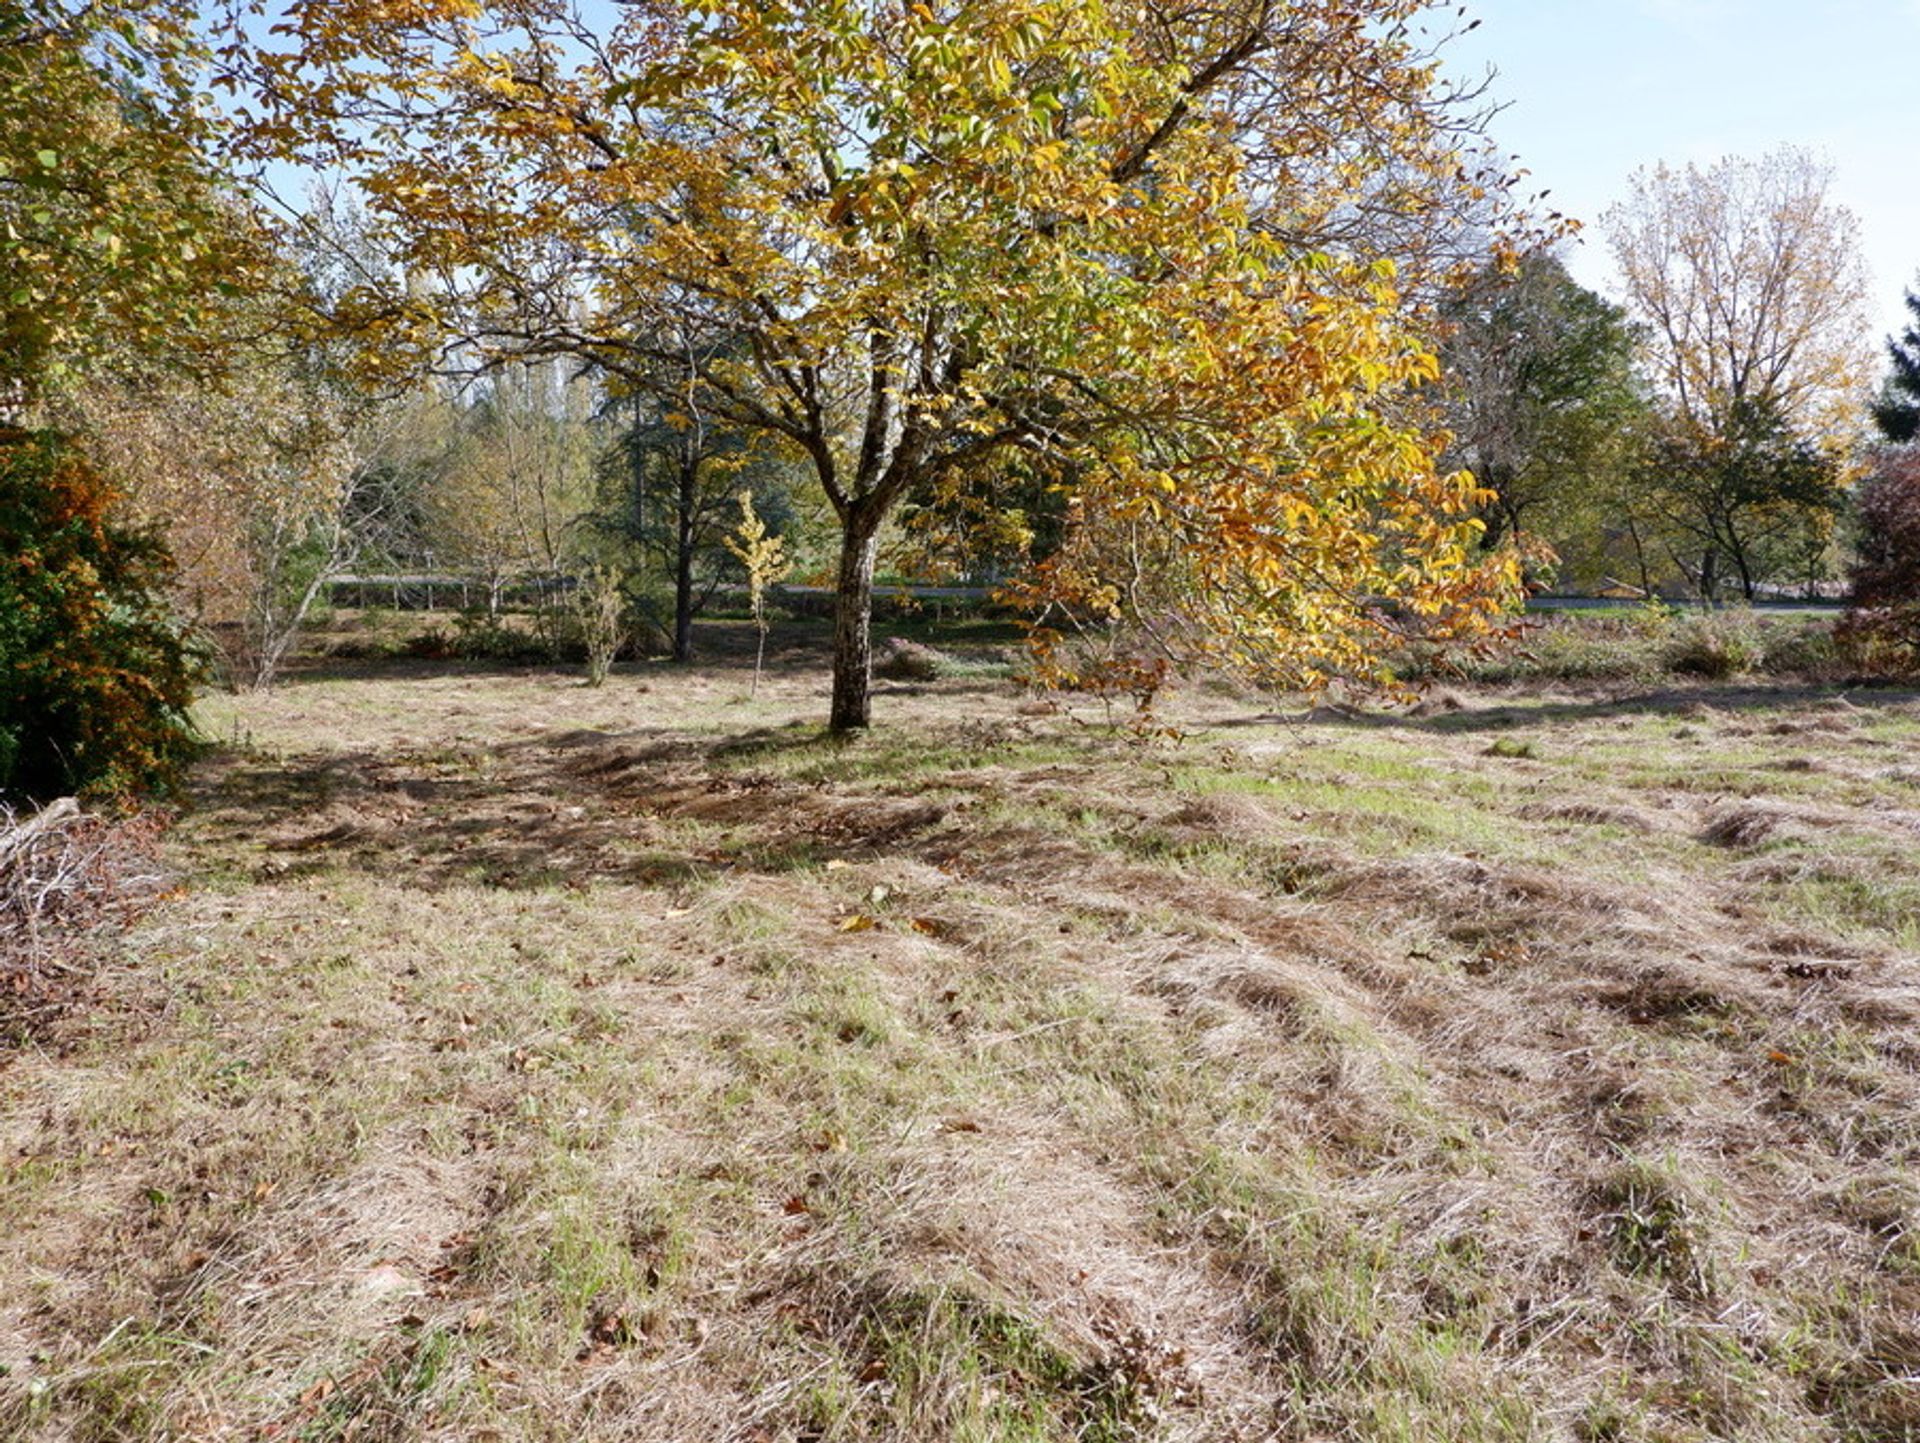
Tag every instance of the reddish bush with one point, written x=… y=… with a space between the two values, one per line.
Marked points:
x=1882 y=628
x=95 y=678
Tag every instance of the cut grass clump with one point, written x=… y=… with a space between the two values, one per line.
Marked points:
x=899 y=659
x=1654 y=1229
x=951 y=1364
x=1749 y=826
x=1511 y=748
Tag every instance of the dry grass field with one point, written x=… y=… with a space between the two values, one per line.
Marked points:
x=519 y=1061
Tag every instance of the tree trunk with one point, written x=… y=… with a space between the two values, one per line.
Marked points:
x=1640 y=559
x=683 y=605
x=853 y=624
x=1709 y=575
x=683 y=562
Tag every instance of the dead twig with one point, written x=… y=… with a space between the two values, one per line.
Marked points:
x=68 y=879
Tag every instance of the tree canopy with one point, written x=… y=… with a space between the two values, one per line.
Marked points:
x=1154 y=247
x=117 y=235
x=1540 y=390
x=1748 y=279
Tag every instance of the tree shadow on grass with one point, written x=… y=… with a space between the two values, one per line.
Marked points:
x=646 y=806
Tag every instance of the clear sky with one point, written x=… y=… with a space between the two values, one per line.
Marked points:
x=1599 y=88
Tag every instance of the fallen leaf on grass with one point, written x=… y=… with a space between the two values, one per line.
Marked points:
x=611 y=1328
x=858 y=922
x=318 y=1392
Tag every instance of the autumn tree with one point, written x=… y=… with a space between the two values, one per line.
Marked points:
x=1749 y=281
x=120 y=247
x=267 y=469
x=246 y=491
x=1156 y=242
x=517 y=483
x=95 y=675
x=118 y=236
x=1897 y=411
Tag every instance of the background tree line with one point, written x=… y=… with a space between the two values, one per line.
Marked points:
x=1213 y=335
x=1703 y=437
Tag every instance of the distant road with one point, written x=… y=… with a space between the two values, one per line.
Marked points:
x=1605 y=603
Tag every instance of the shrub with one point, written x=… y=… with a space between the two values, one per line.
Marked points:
x=1805 y=647
x=1644 y=645
x=95 y=673
x=1717 y=645
x=600 y=613
x=903 y=660
x=1882 y=626
x=479 y=635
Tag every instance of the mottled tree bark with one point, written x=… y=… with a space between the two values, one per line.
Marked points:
x=853 y=620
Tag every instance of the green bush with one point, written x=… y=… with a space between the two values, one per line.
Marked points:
x=95 y=673
x=480 y=635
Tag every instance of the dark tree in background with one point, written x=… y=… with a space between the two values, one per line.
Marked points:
x=1540 y=393
x=1897 y=412
x=1740 y=505
x=1886 y=568
x=675 y=476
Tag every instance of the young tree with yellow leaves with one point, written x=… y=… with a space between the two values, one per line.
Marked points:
x=1748 y=280
x=764 y=558
x=1151 y=246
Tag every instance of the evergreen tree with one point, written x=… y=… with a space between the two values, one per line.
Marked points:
x=1897 y=412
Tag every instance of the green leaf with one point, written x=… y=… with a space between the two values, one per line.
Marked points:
x=50 y=159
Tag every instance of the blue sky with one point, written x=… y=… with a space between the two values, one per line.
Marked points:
x=1599 y=88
